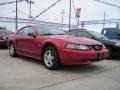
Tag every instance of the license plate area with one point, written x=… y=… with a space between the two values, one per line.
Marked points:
x=100 y=56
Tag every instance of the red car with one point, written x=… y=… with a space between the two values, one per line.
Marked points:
x=55 y=47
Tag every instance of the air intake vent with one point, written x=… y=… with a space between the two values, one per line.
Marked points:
x=97 y=47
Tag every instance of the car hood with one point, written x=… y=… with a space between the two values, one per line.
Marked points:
x=109 y=41
x=82 y=40
x=76 y=40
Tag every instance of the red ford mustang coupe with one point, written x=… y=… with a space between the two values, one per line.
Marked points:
x=55 y=47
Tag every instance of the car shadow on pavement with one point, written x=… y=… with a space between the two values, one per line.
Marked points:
x=30 y=60
x=84 y=68
x=115 y=58
x=3 y=48
x=69 y=68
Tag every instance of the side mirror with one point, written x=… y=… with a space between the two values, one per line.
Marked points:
x=12 y=33
x=32 y=34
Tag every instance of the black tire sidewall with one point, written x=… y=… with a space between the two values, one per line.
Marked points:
x=110 y=52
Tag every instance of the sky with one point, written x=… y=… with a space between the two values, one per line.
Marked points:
x=90 y=10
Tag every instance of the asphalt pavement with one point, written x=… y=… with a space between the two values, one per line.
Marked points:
x=23 y=73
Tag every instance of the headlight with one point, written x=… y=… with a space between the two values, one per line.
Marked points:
x=77 y=47
x=117 y=44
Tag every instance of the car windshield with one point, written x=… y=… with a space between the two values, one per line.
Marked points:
x=113 y=31
x=4 y=32
x=98 y=35
x=50 y=30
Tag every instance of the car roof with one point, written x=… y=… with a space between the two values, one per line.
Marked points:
x=112 y=28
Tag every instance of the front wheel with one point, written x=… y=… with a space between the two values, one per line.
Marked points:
x=12 y=50
x=51 y=58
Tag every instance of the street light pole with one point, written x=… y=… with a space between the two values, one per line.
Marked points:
x=104 y=21
x=78 y=23
x=30 y=10
x=16 y=19
x=62 y=19
x=69 y=15
x=30 y=16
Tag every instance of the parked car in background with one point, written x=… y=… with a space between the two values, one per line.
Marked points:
x=112 y=45
x=111 y=33
x=55 y=47
x=4 y=37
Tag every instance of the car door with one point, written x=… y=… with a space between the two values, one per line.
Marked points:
x=28 y=44
x=32 y=42
x=19 y=40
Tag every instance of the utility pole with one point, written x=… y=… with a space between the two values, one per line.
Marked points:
x=70 y=15
x=78 y=23
x=30 y=16
x=104 y=20
x=62 y=18
x=16 y=19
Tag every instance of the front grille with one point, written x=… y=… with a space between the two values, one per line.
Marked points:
x=97 y=47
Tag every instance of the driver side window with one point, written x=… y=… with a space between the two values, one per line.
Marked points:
x=25 y=31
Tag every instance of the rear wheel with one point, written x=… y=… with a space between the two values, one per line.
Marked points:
x=51 y=58
x=12 y=50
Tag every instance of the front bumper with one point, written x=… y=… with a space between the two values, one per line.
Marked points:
x=116 y=51
x=71 y=57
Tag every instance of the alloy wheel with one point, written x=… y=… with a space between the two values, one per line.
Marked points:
x=48 y=58
x=12 y=50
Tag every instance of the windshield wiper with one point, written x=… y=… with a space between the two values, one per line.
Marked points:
x=53 y=34
x=48 y=34
x=60 y=34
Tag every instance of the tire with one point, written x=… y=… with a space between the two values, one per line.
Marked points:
x=12 y=50
x=110 y=51
x=50 y=58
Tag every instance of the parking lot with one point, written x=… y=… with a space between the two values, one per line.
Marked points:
x=23 y=73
